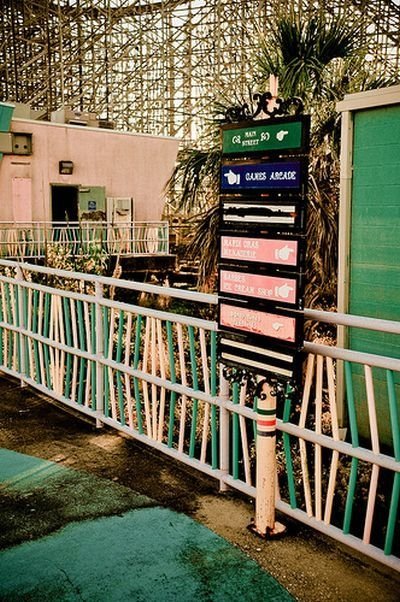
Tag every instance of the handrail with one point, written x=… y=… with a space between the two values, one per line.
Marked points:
x=327 y=317
x=115 y=282
x=353 y=320
x=83 y=223
x=33 y=239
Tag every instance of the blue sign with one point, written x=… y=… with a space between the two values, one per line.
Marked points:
x=261 y=176
x=92 y=205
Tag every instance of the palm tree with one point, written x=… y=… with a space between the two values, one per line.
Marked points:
x=319 y=58
x=312 y=56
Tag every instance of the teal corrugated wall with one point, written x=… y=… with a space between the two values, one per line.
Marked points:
x=375 y=247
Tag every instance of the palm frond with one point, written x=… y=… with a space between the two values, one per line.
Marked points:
x=299 y=51
x=204 y=245
x=322 y=236
x=197 y=176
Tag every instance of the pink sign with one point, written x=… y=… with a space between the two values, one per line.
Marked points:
x=258 y=322
x=240 y=248
x=270 y=288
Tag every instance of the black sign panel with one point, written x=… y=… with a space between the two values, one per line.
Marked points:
x=263 y=214
x=263 y=187
x=260 y=358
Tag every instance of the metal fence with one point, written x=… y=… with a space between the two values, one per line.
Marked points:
x=35 y=239
x=155 y=375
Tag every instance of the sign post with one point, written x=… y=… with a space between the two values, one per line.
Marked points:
x=263 y=188
x=265 y=524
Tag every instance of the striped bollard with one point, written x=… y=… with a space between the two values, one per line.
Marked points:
x=264 y=523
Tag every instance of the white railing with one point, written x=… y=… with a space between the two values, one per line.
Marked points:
x=154 y=375
x=33 y=239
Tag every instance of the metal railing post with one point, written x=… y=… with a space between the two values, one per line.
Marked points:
x=99 y=354
x=223 y=431
x=21 y=324
x=166 y=239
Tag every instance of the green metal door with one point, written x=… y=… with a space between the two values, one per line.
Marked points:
x=92 y=203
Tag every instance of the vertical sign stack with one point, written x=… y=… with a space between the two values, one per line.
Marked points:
x=263 y=192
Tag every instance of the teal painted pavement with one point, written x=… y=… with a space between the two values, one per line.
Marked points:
x=112 y=545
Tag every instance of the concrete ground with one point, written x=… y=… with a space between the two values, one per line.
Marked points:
x=111 y=543
x=86 y=514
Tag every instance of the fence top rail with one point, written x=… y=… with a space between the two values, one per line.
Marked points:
x=364 y=322
x=82 y=224
x=358 y=357
x=389 y=326
x=115 y=282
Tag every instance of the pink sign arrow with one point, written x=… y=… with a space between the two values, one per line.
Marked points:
x=276 y=251
x=258 y=322
x=270 y=288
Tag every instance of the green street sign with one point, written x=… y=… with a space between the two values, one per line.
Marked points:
x=265 y=135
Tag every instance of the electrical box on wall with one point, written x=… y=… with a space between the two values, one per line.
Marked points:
x=21 y=144
x=119 y=209
x=15 y=144
x=5 y=143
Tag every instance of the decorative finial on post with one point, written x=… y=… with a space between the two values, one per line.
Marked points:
x=273 y=85
x=269 y=105
x=272 y=102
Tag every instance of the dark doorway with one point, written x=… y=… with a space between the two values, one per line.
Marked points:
x=64 y=203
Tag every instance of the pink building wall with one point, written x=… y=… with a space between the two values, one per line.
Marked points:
x=128 y=165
